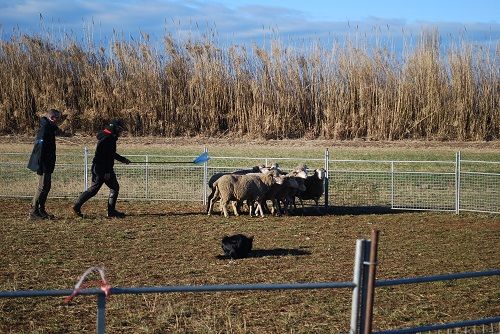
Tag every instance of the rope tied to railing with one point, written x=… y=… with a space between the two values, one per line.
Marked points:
x=104 y=285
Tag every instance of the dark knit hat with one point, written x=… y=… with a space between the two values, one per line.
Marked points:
x=116 y=126
x=53 y=114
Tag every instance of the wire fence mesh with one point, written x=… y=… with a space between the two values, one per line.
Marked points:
x=479 y=186
x=460 y=185
x=359 y=183
x=424 y=185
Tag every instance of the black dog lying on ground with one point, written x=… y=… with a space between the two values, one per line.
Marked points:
x=237 y=246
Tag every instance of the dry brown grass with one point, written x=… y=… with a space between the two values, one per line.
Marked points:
x=188 y=88
x=171 y=244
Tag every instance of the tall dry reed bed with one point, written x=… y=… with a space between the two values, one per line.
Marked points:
x=197 y=88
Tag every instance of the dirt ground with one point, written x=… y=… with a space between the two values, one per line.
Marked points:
x=165 y=243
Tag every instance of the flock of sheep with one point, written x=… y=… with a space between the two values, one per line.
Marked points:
x=260 y=184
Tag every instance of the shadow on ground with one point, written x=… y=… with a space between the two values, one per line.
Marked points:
x=307 y=211
x=258 y=253
x=347 y=210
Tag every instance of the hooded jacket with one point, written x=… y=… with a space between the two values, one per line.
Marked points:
x=105 y=152
x=43 y=156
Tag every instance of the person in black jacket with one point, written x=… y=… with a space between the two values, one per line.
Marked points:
x=102 y=169
x=43 y=161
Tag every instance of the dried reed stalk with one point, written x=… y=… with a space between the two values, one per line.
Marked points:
x=194 y=88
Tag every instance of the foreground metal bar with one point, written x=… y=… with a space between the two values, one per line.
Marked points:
x=468 y=323
x=372 y=269
x=364 y=286
x=436 y=278
x=233 y=287
x=101 y=313
x=181 y=288
x=357 y=280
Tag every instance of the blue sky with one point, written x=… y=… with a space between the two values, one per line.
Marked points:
x=249 y=20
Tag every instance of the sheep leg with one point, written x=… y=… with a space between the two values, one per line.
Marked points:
x=235 y=209
x=276 y=207
x=223 y=205
x=210 y=205
x=250 y=207
x=259 y=208
x=278 y=202
x=211 y=202
x=287 y=205
x=294 y=203
x=316 y=200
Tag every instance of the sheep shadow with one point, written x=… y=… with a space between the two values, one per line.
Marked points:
x=364 y=210
x=347 y=210
x=277 y=252
x=162 y=214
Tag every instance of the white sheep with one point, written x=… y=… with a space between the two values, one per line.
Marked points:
x=256 y=169
x=238 y=188
x=277 y=191
x=295 y=183
x=216 y=176
x=314 y=188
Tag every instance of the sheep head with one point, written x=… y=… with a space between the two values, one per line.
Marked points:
x=298 y=173
x=279 y=179
x=271 y=178
x=321 y=173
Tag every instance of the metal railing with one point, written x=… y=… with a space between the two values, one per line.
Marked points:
x=454 y=186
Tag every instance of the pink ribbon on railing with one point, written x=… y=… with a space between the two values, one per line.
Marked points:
x=105 y=287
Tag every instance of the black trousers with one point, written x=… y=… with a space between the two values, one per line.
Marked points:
x=44 y=185
x=110 y=180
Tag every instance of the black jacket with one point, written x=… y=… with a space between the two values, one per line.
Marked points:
x=105 y=153
x=43 y=156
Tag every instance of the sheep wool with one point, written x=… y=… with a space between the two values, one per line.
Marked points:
x=238 y=188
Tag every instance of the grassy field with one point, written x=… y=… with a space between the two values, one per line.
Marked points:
x=360 y=149
x=173 y=244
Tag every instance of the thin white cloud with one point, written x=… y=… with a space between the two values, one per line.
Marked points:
x=248 y=23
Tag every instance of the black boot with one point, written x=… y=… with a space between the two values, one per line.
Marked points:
x=45 y=214
x=77 y=210
x=113 y=213
x=84 y=197
x=36 y=215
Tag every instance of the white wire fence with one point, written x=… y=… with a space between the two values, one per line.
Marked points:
x=458 y=185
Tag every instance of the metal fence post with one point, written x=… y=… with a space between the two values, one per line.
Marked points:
x=370 y=293
x=85 y=168
x=205 y=178
x=147 y=176
x=457 y=182
x=392 y=184
x=327 y=163
x=357 y=279
x=101 y=313
x=363 y=287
